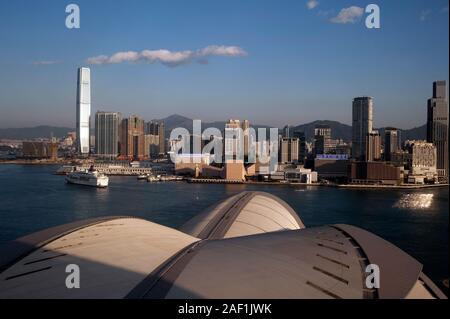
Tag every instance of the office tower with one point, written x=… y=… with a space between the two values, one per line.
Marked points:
x=289 y=150
x=83 y=110
x=302 y=151
x=322 y=139
x=437 y=126
x=361 y=125
x=132 y=138
x=107 y=134
x=391 y=142
x=373 y=147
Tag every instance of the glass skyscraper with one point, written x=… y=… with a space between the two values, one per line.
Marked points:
x=83 y=110
x=362 y=124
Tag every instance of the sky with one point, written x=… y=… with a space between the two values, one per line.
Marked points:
x=274 y=62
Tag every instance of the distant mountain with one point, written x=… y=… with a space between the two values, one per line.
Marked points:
x=338 y=130
x=416 y=133
x=34 y=132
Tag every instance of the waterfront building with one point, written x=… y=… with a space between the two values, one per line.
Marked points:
x=289 y=150
x=422 y=162
x=107 y=134
x=132 y=138
x=374 y=173
x=40 y=149
x=362 y=124
x=373 y=146
x=322 y=139
x=83 y=111
x=437 y=125
x=391 y=142
x=331 y=166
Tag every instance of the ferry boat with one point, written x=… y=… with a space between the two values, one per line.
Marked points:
x=89 y=177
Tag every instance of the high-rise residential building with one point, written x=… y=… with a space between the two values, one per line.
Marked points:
x=154 y=139
x=391 y=142
x=373 y=146
x=302 y=149
x=162 y=138
x=241 y=139
x=289 y=150
x=362 y=124
x=83 y=110
x=132 y=140
x=437 y=126
x=107 y=134
x=322 y=139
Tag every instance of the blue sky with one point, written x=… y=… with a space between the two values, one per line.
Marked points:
x=298 y=66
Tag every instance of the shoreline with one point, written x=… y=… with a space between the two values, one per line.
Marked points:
x=221 y=181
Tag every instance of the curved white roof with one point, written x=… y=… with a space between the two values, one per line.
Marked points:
x=252 y=245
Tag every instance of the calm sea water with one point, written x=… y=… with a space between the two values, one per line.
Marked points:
x=417 y=221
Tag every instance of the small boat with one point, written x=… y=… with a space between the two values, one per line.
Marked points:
x=89 y=177
x=153 y=178
x=142 y=176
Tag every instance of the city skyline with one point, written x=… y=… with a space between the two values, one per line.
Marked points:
x=244 y=69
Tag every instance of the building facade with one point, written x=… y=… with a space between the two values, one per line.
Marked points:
x=391 y=142
x=132 y=139
x=422 y=162
x=322 y=139
x=437 y=125
x=373 y=146
x=362 y=124
x=107 y=134
x=289 y=149
x=83 y=111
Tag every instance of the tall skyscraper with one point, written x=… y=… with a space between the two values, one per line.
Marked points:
x=107 y=134
x=132 y=138
x=322 y=139
x=362 y=124
x=437 y=125
x=373 y=146
x=391 y=142
x=83 y=110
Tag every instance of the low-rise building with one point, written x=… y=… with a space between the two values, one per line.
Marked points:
x=374 y=173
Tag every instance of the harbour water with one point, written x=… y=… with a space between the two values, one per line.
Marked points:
x=33 y=198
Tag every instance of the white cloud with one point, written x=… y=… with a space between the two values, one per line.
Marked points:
x=348 y=15
x=311 y=4
x=46 y=62
x=169 y=58
x=424 y=15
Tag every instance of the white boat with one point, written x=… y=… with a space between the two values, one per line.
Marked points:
x=88 y=178
x=143 y=176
